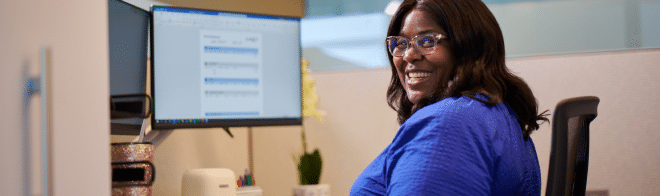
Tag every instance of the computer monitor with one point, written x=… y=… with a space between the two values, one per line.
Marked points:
x=128 y=40
x=224 y=69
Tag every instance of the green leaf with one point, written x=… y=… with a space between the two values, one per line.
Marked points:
x=310 y=168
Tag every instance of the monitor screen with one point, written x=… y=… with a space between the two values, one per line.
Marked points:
x=224 y=69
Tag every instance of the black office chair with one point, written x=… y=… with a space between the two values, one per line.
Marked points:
x=569 y=155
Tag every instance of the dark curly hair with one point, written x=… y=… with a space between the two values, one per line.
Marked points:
x=478 y=48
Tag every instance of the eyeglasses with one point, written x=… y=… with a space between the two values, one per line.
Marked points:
x=398 y=45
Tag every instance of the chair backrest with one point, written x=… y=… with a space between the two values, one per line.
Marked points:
x=569 y=155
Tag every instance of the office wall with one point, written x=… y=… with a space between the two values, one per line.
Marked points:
x=77 y=34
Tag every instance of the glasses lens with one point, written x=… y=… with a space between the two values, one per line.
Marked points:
x=426 y=42
x=397 y=45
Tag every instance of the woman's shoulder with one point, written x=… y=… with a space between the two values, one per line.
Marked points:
x=451 y=116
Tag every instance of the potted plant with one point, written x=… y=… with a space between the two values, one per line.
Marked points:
x=309 y=164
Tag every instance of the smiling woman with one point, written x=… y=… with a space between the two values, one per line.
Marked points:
x=465 y=118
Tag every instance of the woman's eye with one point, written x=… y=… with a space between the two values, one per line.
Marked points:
x=426 y=42
x=401 y=44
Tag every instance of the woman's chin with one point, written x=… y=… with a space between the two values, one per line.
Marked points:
x=415 y=97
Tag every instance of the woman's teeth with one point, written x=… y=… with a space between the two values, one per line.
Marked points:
x=414 y=76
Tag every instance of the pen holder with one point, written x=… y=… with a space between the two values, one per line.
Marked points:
x=132 y=169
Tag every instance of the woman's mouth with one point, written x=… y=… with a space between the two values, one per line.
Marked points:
x=415 y=77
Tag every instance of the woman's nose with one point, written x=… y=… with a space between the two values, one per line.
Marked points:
x=411 y=54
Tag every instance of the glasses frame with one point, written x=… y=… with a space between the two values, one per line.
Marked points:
x=414 y=41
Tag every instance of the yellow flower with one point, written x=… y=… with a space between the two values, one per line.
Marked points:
x=309 y=97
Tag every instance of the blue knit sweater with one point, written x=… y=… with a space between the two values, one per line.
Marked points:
x=457 y=146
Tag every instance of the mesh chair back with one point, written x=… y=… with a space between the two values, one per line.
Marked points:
x=569 y=155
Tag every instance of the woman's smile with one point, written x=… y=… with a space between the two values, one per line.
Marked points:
x=417 y=77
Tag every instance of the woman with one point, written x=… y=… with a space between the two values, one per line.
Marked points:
x=465 y=118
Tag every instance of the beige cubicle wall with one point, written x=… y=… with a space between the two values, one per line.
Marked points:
x=359 y=124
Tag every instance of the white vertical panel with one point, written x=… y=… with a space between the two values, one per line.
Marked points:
x=12 y=62
x=81 y=131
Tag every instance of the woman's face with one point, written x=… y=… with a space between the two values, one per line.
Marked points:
x=419 y=73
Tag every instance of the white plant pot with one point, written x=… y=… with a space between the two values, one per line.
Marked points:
x=312 y=190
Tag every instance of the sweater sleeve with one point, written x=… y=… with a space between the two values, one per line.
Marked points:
x=441 y=153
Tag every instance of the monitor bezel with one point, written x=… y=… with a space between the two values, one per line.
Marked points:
x=220 y=123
